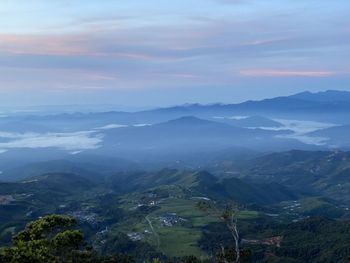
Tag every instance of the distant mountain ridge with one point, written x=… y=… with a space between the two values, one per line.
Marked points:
x=325 y=96
x=317 y=97
x=306 y=99
x=184 y=132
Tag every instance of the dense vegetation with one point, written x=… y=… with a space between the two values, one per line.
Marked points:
x=53 y=239
x=144 y=216
x=56 y=239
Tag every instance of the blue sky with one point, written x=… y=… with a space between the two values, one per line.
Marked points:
x=158 y=52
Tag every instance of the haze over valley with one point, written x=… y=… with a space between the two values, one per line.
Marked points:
x=183 y=136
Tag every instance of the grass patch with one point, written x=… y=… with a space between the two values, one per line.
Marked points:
x=180 y=239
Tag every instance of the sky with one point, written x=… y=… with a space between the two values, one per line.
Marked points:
x=138 y=53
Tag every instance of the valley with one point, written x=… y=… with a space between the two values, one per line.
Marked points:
x=135 y=182
x=157 y=211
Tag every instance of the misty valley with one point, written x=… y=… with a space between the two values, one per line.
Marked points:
x=174 y=184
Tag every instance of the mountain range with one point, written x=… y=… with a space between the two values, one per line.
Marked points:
x=190 y=135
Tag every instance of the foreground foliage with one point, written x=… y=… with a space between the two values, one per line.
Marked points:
x=53 y=239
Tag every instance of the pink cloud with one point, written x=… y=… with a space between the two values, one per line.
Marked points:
x=64 y=45
x=100 y=77
x=257 y=42
x=285 y=73
x=42 y=45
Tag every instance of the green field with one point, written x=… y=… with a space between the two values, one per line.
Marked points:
x=180 y=239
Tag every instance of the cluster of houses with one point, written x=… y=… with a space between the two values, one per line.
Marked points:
x=91 y=218
x=171 y=219
x=166 y=220
x=293 y=206
x=145 y=203
x=134 y=236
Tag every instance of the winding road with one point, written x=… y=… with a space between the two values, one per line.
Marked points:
x=153 y=231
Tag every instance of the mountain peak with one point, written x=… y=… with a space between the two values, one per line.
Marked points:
x=324 y=96
x=188 y=120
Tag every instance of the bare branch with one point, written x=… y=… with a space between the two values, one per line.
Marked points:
x=230 y=217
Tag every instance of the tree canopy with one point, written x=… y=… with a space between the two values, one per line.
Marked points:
x=53 y=239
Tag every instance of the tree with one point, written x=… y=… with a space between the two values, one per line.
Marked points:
x=49 y=239
x=229 y=216
x=53 y=239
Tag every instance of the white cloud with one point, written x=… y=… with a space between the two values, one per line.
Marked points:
x=142 y=125
x=111 y=126
x=302 y=128
x=230 y=117
x=117 y=126
x=74 y=141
